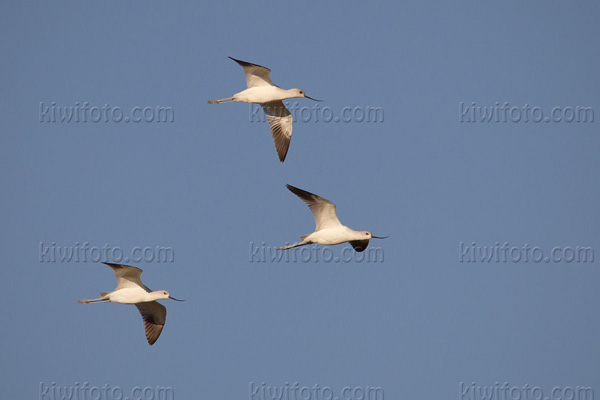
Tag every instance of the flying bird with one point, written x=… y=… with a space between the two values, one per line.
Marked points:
x=263 y=91
x=131 y=290
x=329 y=230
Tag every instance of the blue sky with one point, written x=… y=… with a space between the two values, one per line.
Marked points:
x=209 y=186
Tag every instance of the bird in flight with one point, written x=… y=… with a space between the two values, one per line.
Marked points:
x=329 y=230
x=131 y=290
x=263 y=91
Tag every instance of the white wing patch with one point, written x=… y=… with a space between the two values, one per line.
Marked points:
x=256 y=75
x=127 y=277
x=323 y=210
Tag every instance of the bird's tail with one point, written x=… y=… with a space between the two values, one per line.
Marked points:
x=102 y=299
x=218 y=101
x=302 y=243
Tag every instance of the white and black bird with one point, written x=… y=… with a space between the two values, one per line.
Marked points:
x=131 y=290
x=263 y=91
x=329 y=230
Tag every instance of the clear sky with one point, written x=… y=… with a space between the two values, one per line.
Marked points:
x=444 y=178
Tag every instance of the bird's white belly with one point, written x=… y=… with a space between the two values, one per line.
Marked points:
x=129 y=296
x=260 y=94
x=329 y=236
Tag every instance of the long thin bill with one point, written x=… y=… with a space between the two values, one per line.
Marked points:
x=379 y=237
x=308 y=97
x=173 y=298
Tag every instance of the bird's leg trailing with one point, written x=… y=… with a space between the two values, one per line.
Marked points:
x=98 y=300
x=303 y=243
x=218 y=101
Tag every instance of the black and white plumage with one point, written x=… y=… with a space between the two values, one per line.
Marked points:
x=263 y=91
x=131 y=290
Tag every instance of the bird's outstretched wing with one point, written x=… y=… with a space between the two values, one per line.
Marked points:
x=154 y=315
x=280 y=120
x=323 y=210
x=256 y=75
x=127 y=276
x=360 y=245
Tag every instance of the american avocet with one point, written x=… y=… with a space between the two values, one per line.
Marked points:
x=263 y=91
x=329 y=230
x=131 y=290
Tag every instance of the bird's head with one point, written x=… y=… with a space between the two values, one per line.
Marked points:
x=300 y=93
x=163 y=294
x=366 y=235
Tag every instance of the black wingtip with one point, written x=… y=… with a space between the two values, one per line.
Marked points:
x=294 y=189
x=242 y=63
x=247 y=64
x=282 y=156
x=303 y=194
x=119 y=266
x=111 y=264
